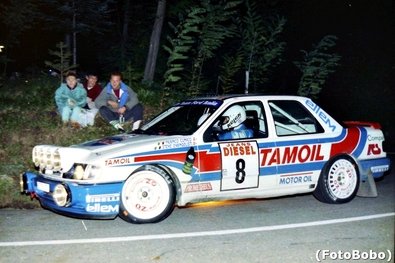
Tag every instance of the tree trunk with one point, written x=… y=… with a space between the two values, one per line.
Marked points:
x=125 y=31
x=150 y=65
x=74 y=35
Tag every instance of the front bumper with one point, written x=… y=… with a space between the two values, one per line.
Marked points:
x=92 y=201
x=376 y=167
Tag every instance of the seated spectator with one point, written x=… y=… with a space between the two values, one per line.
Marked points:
x=70 y=97
x=93 y=90
x=118 y=103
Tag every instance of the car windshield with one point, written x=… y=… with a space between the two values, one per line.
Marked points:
x=182 y=119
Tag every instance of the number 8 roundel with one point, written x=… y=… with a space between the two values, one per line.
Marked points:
x=239 y=165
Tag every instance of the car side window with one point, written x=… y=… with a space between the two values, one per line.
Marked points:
x=292 y=118
x=255 y=123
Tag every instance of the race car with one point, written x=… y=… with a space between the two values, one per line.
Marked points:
x=212 y=148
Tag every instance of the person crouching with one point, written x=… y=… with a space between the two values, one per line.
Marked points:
x=70 y=97
x=118 y=103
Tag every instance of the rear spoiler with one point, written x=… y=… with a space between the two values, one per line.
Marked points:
x=374 y=125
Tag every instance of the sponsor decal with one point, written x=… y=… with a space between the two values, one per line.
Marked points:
x=99 y=208
x=189 y=160
x=198 y=187
x=95 y=203
x=238 y=149
x=240 y=165
x=235 y=120
x=102 y=198
x=321 y=114
x=375 y=138
x=174 y=143
x=214 y=103
x=290 y=155
x=380 y=168
x=374 y=149
x=118 y=161
x=295 y=179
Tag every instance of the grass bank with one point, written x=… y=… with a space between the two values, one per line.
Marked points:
x=28 y=117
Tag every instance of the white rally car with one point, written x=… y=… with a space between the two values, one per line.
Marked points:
x=217 y=148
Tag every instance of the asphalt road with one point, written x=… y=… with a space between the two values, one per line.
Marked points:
x=287 y=229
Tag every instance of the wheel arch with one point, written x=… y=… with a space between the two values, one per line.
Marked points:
x=344 y=154
x=166 y=169
x=176 y=181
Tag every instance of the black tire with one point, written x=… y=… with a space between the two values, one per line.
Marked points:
x=339 y=181
x=147 y=196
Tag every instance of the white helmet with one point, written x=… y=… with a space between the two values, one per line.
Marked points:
x=232 y=117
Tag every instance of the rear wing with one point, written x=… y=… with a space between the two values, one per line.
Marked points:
x=374 y=125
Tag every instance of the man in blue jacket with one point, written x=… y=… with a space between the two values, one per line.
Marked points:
x=118 y=103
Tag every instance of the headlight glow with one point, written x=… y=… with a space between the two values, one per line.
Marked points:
x=61 y=195
x=78 y=172
x=56 y=160
x=46 y=157
x=36 y=159
x=41 y=158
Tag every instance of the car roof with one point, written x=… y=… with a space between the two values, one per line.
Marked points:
x=252 y=96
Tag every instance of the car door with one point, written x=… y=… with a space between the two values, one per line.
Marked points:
x=239 y=158
x=299 y=152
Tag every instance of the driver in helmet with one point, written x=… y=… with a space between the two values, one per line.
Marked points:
x=231 y=124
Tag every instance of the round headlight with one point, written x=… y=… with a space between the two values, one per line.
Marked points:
x=60 y=195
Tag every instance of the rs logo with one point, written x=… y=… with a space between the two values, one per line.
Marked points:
x=374 y=149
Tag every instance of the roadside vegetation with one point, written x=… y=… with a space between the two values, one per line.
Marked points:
x=29 y=117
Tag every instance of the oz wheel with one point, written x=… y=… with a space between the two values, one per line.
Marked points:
x=147 y=196
x=339 y=181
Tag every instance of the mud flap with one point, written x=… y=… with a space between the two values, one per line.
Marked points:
x=367 y=187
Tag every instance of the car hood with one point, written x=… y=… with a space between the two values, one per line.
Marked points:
x=131 y=143
x=95 y=151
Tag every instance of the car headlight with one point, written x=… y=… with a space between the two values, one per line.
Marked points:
x=79 y=172
x=61 y=195
x=56 y=160
x=82 y=172
x=36 y=156
x=41 y=158
x=46 y=157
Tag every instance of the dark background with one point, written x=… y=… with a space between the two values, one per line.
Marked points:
x=362 y=88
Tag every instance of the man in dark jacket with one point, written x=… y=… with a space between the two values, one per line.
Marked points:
x=118 y=103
